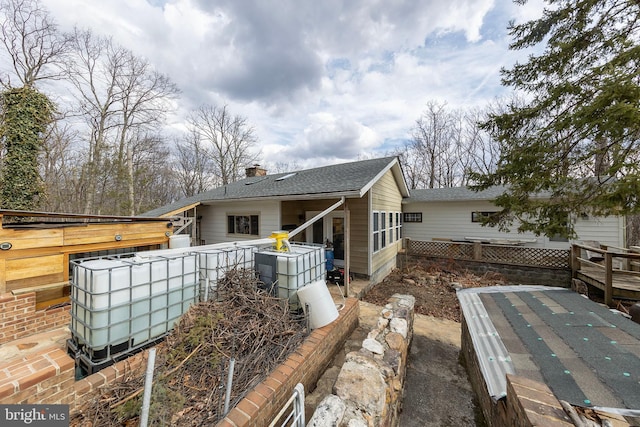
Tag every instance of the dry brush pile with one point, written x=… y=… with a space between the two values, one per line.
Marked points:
x=247 y=324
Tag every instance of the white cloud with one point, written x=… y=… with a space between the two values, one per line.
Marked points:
x=320 y=81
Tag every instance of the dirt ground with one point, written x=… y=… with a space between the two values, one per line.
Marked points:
x=434 y=287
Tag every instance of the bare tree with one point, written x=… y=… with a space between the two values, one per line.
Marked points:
x=58 y=161
x=152 y=173
x=431 y=136
x=195 y=165
x=484 y=151
x=446 y=146
x=144 y=96
x=32 y=41
x=229 y=139
x=93 y=71
x=122 y=100
x=282 y=167
x=413 y=166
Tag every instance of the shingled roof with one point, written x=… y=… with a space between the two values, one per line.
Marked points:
x=352 y=179
x=454 y=194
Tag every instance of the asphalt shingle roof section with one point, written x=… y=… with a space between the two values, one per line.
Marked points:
x=344 y=178
x=454 y=194
x=586 y=354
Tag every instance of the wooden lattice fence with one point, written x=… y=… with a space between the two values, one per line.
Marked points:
x=499 y=254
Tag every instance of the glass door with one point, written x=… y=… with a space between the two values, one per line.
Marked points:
x=330 y=228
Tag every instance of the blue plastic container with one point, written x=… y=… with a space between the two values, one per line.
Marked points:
x=329 y=257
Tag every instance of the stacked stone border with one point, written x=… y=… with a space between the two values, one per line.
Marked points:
x=19 y=317
x=369 y=388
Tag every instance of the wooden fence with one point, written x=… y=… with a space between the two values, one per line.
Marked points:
x=496 y=254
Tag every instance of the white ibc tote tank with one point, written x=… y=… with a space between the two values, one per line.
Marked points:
x=321 y=306
x=179 y=241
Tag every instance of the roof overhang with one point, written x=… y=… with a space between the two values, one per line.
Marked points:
x=180 y=210
x=290 y=197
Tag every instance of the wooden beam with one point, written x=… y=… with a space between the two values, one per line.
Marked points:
x=40 y=288
x=37 y=214
x=608 y=279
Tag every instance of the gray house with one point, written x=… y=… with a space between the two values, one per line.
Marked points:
x=361 y=203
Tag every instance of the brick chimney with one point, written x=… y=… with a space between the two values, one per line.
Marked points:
x=255 y=170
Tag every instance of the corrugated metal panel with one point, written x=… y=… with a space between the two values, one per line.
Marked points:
x=493 y=358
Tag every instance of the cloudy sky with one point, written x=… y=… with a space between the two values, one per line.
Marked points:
x=321 y=81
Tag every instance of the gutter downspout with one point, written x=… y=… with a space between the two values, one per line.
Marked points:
x=317 y=217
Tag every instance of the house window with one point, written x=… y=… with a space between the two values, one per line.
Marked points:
x=376 y=231
x=478 y=216
x=391 y=233
x=413 y=217
x=398 y=226
x=243 y=224
x=383 y=230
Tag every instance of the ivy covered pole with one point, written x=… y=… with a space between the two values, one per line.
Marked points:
x=26 y=114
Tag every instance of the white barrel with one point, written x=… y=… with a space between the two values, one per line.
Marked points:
x=321 y=306
x=179 y=241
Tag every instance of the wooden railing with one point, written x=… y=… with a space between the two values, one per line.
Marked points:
x=498 y=254
x=606 y=262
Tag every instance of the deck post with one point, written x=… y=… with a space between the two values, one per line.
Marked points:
x=574 y=263
x=608 y=278
x=477 y=251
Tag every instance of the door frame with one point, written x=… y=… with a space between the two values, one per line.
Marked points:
x=327 y=225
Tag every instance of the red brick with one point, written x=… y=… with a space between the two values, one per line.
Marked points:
x=6 y=297
x=273 y=383
x=64 y=379
x=7 y=389
x=322 y=332
x=264 y=390
x=20 y=371
x=248 y=407
x=542 y=420
x=296 y=357
x=36 y=377
x=256 y=398
x=286 y=370
x=226 y=423
x=293 y=364
x=42 y=363
x=238 y=417
x=82 y=387
x=95 y=381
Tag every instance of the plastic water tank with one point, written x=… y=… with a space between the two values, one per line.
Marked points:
x=322 y=309
x=179 y=241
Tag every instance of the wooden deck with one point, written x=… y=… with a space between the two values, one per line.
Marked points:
x=613 y=270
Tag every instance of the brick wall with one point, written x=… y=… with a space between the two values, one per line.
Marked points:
x=44 y=377
x=89 y=386
x=304 y=366
x=262 y=403
x=19 y=318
